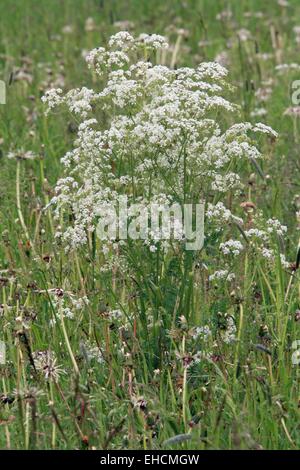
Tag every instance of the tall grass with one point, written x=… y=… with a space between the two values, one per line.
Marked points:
x=130 y=380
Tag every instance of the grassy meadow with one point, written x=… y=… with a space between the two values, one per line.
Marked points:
x=134 y=348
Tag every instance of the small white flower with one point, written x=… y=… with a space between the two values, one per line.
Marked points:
x=52 y=98
x=231 y=247
x=203 y=332
x=274 y=226
x=223 y=274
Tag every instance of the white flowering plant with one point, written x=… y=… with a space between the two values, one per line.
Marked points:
x=151 y=133
x=157 y=134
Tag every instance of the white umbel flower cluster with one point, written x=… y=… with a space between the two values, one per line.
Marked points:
x=229 y=333
x=222 y=274
x=274 y=226
x=231 y=247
